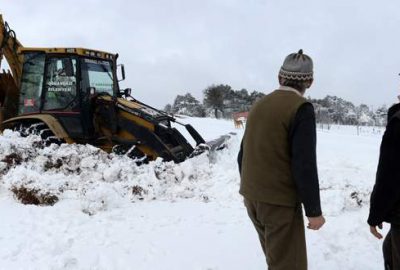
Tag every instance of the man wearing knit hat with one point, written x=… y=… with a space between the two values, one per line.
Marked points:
x=278 y=167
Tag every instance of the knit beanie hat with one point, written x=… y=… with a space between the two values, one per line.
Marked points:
x=297 y=66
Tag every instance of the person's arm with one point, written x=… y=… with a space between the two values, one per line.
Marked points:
x=304 y=159
x=239 y=157
x=386 y=192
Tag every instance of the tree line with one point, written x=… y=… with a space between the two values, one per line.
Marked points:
x=221 y=101
x=335 y=110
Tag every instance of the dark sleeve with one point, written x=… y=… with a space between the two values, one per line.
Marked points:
x=386 y=192
x=392 y=111
x=304 y=159
x=239 y=157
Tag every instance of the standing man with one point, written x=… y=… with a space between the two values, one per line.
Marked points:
x=385 y=197
x=278 y=167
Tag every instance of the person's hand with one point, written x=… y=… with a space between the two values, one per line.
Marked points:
x=315 y=223
x=375 y=232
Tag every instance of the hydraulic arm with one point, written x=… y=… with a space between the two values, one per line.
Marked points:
x=9 y=46
x=9 y=82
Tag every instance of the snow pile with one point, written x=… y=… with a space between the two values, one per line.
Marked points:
x=101 y=180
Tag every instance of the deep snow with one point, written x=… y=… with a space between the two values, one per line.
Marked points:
x=183 y=216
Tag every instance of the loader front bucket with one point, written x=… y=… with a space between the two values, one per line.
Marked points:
x=213 y=145
x=218 y=143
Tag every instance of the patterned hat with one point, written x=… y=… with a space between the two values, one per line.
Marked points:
x=297 y=66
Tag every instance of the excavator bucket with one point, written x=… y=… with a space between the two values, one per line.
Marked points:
x=213 y=145
x=202 y=145
x=219 y=143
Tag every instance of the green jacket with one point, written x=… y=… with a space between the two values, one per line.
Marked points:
x=266 y=173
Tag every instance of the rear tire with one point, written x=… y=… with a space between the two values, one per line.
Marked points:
x=39 y=129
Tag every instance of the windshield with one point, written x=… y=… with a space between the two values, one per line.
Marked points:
x=98 y=74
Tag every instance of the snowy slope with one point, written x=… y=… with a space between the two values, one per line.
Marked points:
x=112 y=214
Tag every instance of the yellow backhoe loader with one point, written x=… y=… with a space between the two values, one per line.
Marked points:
x=72 y=95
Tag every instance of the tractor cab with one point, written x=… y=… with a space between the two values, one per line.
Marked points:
x=63 y=82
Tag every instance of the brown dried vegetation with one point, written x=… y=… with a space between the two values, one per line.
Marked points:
x=33 y=196
x=50 y=164
x=12 y=159
x=139 y=191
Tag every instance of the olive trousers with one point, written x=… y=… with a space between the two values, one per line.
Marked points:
x=281 y=233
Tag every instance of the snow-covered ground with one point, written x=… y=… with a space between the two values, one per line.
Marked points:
x=112 y=214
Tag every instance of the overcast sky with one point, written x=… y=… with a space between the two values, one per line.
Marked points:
x=178 y=46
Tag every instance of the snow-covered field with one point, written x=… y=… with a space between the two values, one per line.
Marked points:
x=112 y=214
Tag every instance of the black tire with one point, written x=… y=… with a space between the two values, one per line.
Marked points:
x=40 y=129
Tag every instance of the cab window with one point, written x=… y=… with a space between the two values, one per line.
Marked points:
x=60 y=84
x=97 y=75
x=31 y=82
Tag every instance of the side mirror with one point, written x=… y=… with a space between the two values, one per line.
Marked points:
x=122 y=72
x=126 y=92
